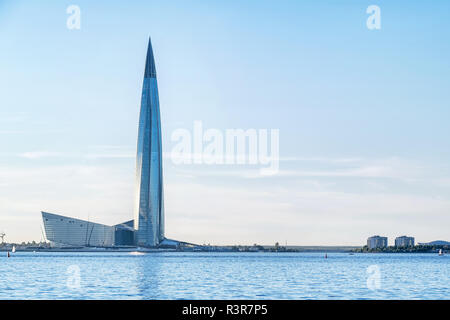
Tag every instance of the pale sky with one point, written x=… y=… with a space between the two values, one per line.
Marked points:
x=362 y=116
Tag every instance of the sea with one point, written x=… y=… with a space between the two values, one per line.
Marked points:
x=232 y=275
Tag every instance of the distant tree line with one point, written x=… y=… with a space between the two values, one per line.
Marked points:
x=259 y=248
x=25 y=244
x=409 y=249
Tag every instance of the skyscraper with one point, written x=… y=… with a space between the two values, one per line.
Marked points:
x=147 y=228
x=149 y=201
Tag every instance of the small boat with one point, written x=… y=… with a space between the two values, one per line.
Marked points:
x=13 y=249
x=440 y=252
x=7 y=254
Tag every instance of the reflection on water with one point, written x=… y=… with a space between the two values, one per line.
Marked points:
x=148 y=270
x=224 y=276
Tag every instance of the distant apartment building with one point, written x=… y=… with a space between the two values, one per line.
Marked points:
x=377 y=242
x=404 y=241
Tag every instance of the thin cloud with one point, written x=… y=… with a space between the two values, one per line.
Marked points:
x=110 y=156
x=13 y=117
x=53 y=154
x=41 y=154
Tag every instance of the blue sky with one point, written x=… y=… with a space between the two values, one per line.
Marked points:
x=363 y=116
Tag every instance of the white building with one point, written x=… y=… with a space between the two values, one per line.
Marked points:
x=377 y=242
x=404 y=241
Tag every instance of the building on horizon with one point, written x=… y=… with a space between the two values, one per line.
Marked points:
x=147 y=228
x=149 y=196
x=67 y=231
x=376 y=242
x=404 y=241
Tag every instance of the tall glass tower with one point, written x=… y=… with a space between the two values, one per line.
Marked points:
x=149 y=202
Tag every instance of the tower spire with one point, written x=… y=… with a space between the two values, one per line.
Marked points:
x=150 y=70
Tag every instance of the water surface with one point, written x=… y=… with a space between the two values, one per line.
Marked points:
x=179 y=275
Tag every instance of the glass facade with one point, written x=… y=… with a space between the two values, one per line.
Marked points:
x=67 y=231
x=149 y=202
x=63 y=230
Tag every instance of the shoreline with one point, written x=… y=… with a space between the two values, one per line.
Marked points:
x=229 y=249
